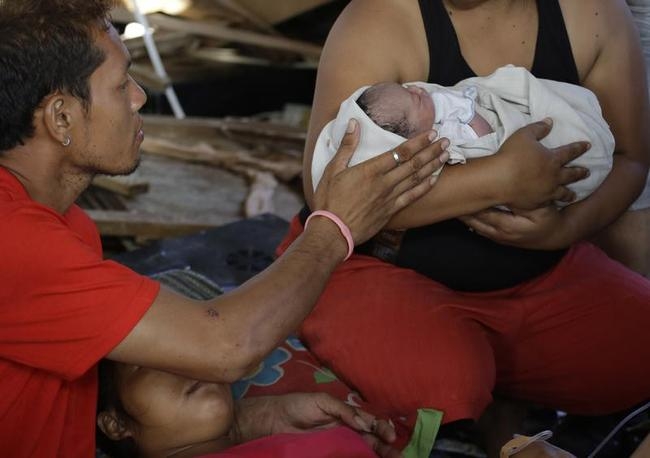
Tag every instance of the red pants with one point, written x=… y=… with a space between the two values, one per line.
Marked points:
x=576 y=338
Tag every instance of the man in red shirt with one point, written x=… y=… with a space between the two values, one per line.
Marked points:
x=69 y=110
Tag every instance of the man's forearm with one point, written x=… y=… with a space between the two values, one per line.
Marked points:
x=271 y=305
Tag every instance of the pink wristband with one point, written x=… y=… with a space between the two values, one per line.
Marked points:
x=345 y=231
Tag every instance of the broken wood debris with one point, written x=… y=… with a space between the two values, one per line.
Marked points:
x=127 y=186
x=228 y=34
x=206 y=27
x=149 y=225
x=210 y=142
x=248 y=132
x=235 y=160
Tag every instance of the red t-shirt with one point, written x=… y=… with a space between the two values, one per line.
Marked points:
x=62 y=308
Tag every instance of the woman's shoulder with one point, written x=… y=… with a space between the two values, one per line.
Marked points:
x=381 y=15
x=390 y=31
x=592 y=25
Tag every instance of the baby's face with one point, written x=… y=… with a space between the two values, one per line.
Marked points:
x=411 y=102
x=172 y=410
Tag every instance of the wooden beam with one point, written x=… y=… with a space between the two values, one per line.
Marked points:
x=222 y=32
x=151 y=226
x=127 y=186
x=239 y=125
x=241 y=11
x=236 y=161
x=169 y=43
x=278 y=11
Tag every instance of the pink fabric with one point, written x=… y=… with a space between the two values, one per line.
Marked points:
x=338 y=442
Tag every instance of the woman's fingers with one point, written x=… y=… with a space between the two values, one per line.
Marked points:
x=564 y=194
x=567 y=153
x=568 y=175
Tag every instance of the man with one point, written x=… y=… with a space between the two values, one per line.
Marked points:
x=68 y=111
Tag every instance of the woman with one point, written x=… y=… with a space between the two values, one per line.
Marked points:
x=546 y=326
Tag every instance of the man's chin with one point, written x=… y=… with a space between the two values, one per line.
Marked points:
x=122 y=172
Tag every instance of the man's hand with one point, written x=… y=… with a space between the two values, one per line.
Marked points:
x=303 y=412
x=541 y=229
x=367 y=195
x=535 y=175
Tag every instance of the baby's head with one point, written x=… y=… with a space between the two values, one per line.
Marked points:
x=147 y=412
x=405 y=111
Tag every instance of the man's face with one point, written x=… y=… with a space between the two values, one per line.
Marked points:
x=108 y=141
x=173 y=411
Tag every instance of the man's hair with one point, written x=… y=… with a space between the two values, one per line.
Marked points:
x=45 y=46
x=370 y=101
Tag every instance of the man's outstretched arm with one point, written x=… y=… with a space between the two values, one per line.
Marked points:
x=222 y=339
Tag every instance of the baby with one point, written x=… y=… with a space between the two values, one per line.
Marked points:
x=408 y=110
x=477 y=116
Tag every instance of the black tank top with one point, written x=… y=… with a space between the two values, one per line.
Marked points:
x=448 y=252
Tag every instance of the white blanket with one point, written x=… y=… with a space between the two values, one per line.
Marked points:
x=509 y=98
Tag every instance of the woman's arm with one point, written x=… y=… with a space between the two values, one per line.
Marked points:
x=607 y=51
x=618 y=79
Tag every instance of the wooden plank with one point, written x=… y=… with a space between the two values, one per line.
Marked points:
x=250 y=17
x=127 y=186
x=222 y=32
x=148 y=225
x=278 y=11
x=237 y=161
x=168 y=44
x=231 y=124
x=146 y=76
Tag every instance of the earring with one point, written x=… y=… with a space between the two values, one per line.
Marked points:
x=67 y=141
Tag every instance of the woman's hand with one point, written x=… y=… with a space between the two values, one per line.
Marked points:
x=534 y=175
x=541 y=229
x=367 y=195
x=303 y=412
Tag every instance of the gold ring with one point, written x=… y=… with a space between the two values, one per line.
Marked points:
x=396 y=157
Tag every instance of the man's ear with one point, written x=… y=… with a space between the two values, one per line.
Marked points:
x=112 y=425
x=59 y=111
